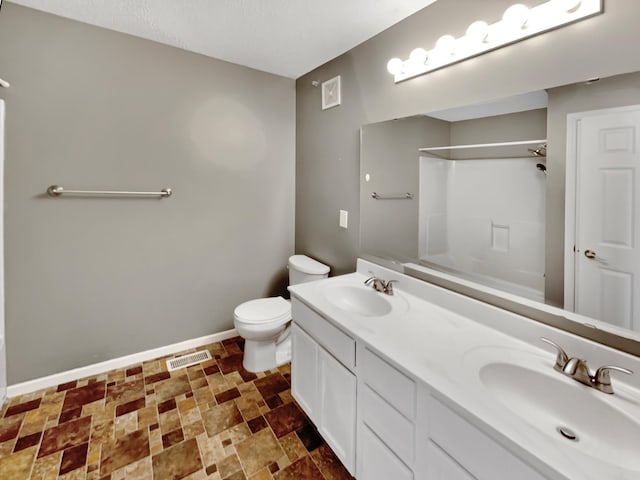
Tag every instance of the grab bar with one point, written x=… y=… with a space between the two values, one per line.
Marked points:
x=392 y=196
x=57 y=190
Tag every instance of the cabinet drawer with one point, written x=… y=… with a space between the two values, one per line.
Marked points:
x=392 y=385
x=472 y=449
x=443 y=467
x=388 y=424
x=377 y=462
x=341 y=345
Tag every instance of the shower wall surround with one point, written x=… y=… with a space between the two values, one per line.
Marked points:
x=485 y=217
x=90 y=279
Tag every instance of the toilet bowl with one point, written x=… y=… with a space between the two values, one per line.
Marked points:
x=265 y=323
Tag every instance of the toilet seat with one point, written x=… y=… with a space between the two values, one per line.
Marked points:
x=263 y=311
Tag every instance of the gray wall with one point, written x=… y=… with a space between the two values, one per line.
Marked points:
x=618 y=91
x=327 y=154
x=389 y=154
x=93 y=279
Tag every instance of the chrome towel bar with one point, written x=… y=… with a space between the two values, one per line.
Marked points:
x=57 y=190
x=392 y=196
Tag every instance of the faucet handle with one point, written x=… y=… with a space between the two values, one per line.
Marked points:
x=388 y=287
x=561 y=358
x=602 y=379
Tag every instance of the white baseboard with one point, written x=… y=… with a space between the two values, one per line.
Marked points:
x=115 y=363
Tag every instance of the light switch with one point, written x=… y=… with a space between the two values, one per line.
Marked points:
x=344 y=218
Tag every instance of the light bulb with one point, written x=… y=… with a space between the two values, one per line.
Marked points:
x=566 y=6
x=395 y=66
x=478 y=31
x=418 y=56
x=516 y=15
x=446 y=44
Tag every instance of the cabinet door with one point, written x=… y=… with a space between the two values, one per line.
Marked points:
x=304 y=371
x=377 y=462
x=337 y=408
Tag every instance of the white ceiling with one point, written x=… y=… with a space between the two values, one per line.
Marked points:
x=284 y=37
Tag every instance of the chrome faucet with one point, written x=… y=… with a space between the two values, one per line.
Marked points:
x=380 y=285
x=577 y=369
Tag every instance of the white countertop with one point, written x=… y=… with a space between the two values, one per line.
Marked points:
x=440 y=347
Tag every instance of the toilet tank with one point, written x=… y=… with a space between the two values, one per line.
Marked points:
x=305 y=269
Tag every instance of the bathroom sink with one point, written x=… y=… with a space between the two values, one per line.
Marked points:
x=566 y=411
x=361 y=300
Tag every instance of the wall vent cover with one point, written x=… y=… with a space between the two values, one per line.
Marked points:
x=188 y=360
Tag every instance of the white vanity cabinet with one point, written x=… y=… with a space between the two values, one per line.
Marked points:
x=381 y=421
x=323 y=382
x=455 y=449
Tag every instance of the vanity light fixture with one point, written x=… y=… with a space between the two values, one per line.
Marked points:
x=518 y=23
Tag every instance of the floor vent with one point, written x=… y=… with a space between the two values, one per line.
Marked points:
x=188 y=360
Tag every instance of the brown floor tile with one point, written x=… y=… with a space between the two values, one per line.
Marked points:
x=257 y=424
x=157 y=377
x=80 y=396
x=286 y=419
x=271 y=385
x=171 y=388
x=258 y=451
x=74 y=457
x=66 y=386
x=172 y=438
x=211 y=369
x=263 y=474
x=329 y=464
x=117 y=426
x=227 y=395
x=221 y=417
x=125 y=392
x=64 y=436
x=303 y=468
x=126 y=450
x=22 y=407
x=233 y=363
x=133 y=371
x=229 y=465
x=18 y=466
x=292 y=446
x=71 y=414
x=9 y=428
x=131 y=406
x=169 y=421
x=167 y=405
x=309 y=437
x=28 y=441
x=177 y=462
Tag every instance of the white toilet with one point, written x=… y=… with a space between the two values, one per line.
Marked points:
x=265 y=323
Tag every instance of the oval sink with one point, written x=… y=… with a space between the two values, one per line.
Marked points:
x=563 y=409
x=359 y=300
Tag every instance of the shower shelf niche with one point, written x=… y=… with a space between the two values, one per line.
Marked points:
x=518 y=149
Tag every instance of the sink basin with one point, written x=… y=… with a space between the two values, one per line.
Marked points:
x=363 y=301
x=563 y=409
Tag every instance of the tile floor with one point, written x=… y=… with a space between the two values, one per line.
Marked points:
x=211 y=421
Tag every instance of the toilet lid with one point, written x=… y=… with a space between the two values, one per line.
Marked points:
x=263 y=310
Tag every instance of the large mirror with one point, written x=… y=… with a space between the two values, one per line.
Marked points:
x=532 y=195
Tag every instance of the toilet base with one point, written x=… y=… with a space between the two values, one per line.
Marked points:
x=260 y=356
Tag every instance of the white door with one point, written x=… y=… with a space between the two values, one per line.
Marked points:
x=3 y=345
x=607 y=261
